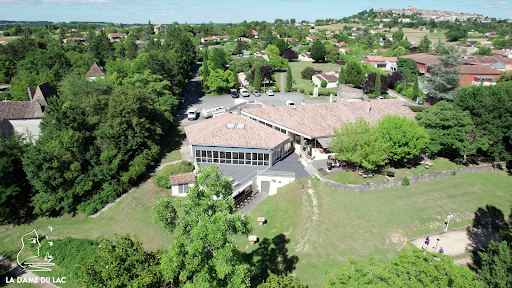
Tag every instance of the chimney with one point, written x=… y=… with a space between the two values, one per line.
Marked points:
x=405 y=109
x=239 y=111
x=368 y=107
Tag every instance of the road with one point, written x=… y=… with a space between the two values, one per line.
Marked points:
x=194 y=100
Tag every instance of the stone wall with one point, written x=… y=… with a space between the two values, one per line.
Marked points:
x=412 y=179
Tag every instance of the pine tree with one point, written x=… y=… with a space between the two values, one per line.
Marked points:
x=257 y=77
x=289 y=80
x=377 y=85
x=206 y=70
x=424 y=45
x=341 y=77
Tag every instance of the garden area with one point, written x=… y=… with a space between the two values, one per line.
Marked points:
x=306 y=86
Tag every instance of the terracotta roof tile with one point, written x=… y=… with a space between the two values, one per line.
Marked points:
x=319 y=120
x=182 y=178
x=375 y=58
x=478 y=69
x=214 y=131
x=95 y=71
x=427 y=59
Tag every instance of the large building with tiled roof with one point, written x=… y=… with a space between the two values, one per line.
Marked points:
x=475 y=74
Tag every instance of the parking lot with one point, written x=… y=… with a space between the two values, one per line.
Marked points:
x=279 y=99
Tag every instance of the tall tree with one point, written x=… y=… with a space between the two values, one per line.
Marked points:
x=341 y=76
x=354 y=74
x=408 y=69
x=131 y=48
x=206 y=70
x=445 y=75
x=404 y=137
x=282 y=46
x=398 y=35
x=378 y=85
x=218 y=57
x=257 y=77
x=290 y=55
x=318 y=51
x=359 y=143
x=424 y=46
x=415 y=89
x=289 y=80
x=203 y=248
x=121 y=263
x=452 y=131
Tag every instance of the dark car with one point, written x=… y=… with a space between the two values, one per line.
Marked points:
x=234 y=93
x=256 y=93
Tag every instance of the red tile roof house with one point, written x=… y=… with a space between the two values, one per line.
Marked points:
x=305 y=57
x=181 y=182
x=312 y=38
x=375 y=61
x=255 y=33
x=215 y=38
x=424 y=62
x=95 y=72
x=24 y=117
x=332 y=80
x=116 y=36
x=474 y=74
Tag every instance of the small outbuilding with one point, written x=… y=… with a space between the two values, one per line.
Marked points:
x=181 y=182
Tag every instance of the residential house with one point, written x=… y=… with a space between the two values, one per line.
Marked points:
x=497 y=62
x=340 y=44
x=159 y=27
x=215 y=38
x=24 y=117
x=242 y=79
x=331 y=78
x=255 y=33
x=490 y=33
x=180 y=183
x=476 y=74
x=424 y=62
x=499 y=52
x=74 y=39
x=95 y=72
x=313 y=38
x=261 y=55
x=305 y=57
x=116 y=36
x=343 y=50
x=391 y=65
x=375 y=61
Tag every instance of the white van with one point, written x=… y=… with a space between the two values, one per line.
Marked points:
x=208 y=112
x=244 y=92
x=192 y=113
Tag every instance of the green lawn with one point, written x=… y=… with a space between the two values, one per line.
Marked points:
x=171 y=143
x=353 y=225
x=440 y=164
x=307 y=85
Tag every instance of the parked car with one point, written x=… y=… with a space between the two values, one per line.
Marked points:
x=192 y=113
x=269 y=93
x=380 y=97
x=181 y=102
x=290 y=103
x=256 y=93
x=244 y=92
x=234 y=94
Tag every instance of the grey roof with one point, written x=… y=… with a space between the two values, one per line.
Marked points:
x=497 y=65
x=13 y=109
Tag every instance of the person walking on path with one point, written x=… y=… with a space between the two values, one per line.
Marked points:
x=427 y=241
x=441 y=250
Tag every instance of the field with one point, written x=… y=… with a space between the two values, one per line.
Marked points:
x=325 y=227
x=300 y=83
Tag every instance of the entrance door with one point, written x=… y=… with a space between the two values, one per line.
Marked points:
x=265 y=186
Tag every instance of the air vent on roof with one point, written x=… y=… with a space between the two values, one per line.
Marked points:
x=231 y=126
x=240 y=126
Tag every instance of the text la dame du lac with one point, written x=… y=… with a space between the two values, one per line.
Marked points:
x=35 y=280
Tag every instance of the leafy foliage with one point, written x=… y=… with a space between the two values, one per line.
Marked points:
x=411 y=268
x=361 y=144
x=408 y=69
x=257 y=77
x=289 y=79
x=354 y=74
x=445 y=75
x=318 y=51
x=289 y=54
x=161 y=178
x=202 y=248
x=220 y=81
x=121 y=263
x=307 y=73
x=496 y=264
x=370 y=84
x=281 y=281
x=404 y=137
x=424 y=46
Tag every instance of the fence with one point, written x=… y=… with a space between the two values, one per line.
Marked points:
x=412 y=179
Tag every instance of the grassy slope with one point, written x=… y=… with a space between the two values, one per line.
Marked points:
x=297 y=68
x=354 y=225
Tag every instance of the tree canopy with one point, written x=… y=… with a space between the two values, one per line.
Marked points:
x=202 y=247
x=354 y=74
x=318 y=51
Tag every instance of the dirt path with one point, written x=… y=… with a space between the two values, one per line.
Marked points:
x=305 y=238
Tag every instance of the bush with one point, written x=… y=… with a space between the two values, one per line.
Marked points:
x=323 y=83
x=454 y=173
x=301 y=90
x=307 y=73
x=405 y=182
x=161 y=178
x=399 y=88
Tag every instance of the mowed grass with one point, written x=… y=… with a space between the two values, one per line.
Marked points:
x=132 y=215
x=440 y=164
x=346 y=225
x=307 y=85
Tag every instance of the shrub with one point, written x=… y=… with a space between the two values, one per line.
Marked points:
x=307 y=73
x=405 y=182
x=454 y=173
x=399 y=88
x=301 y=90
x=323 y=83
x=162 y=181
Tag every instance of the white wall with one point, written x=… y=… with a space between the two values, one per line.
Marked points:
x=275 y=182
x=175 y=191
x=27 y=127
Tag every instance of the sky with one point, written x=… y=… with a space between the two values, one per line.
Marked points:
x=225 y=11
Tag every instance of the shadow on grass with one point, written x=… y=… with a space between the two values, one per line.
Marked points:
x=5 y=267
x=271 y=255
x=171 y=140
x=487 y=225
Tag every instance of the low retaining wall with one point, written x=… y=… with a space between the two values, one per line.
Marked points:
x=412 y=179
